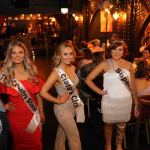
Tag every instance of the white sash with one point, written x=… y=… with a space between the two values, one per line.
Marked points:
x=34 y=122
x=2 y=77
x=120 y=74
x=123 y=78
x=74 y=97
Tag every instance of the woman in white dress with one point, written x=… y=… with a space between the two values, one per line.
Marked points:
x=118 y=93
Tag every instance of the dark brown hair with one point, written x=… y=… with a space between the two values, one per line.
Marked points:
x=116 y=44
x=143 y=70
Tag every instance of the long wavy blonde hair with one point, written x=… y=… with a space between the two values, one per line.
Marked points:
x=56 y=57
x=9 y=67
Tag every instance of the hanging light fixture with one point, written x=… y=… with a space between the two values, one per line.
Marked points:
x=116 y=15
x=64 y=10
x=76 y=18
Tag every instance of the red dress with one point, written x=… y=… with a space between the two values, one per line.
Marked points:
x=21 y=117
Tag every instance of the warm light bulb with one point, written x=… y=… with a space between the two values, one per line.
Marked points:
x=76 y=18
x=106 y=10
x=64 y=10
x=53 y=19
x=116 y=15
x=124 y=16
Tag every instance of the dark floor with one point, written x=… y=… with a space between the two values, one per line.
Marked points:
x=91 y=132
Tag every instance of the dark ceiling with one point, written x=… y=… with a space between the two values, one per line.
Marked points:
x=9 y=7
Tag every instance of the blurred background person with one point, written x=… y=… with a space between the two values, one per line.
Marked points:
x=84 y=71
x=11 y=31
x=142 y=78
x=145 y=57
x=86 y=59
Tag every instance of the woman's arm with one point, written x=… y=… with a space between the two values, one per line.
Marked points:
x=132 y=85
x=41 y=109
x=133 y=91
x=52 y=79
x=92 y=75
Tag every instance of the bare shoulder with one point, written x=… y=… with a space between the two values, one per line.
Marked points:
x=35 y=69
x=54 y=73
x=103 y=63
x=127 y=64
x=52 y=78
x=126 y=61
x=102 y=66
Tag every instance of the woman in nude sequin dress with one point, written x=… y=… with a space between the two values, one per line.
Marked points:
x=63 y=107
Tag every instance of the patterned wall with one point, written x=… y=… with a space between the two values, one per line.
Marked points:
x=132 y=31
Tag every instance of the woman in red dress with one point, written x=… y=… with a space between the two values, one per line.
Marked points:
x=25 y=108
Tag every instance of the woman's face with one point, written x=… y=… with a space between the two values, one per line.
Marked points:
x=146 y=54
x=67 y=55
x=117 y=53
x=17 y=55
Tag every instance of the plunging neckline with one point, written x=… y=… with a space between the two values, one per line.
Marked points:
x=71 y=79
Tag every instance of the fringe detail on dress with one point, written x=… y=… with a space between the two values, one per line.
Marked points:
x=114 y=112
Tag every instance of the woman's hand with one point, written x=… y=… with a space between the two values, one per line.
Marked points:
x=63 y=98
x=103 y=92
x=10 y=106
x=42 y=117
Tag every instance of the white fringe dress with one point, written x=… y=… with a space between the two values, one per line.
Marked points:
x=116 y=105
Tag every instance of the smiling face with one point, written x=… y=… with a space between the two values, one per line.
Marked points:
x=17 y=55
x=117 y=53
x=67 y=55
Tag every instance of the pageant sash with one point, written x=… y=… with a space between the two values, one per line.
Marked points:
x=121 y=75
x=123 y=78
x=74 y=97
x=34 y=122
x=2 y=77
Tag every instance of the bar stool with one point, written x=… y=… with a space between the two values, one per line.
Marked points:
x=144 y=102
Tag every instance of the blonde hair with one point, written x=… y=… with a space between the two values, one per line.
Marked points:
x=56 y=57
x=8 y=65
x=96 y=42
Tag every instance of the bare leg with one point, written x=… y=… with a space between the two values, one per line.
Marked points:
x=120 y=135
x=108 y=129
